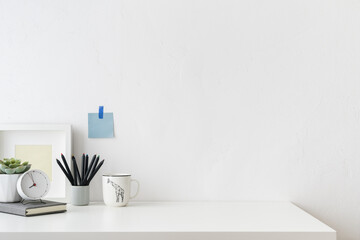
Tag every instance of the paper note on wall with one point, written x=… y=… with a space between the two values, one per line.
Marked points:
x=39 y=156
x=100 y=127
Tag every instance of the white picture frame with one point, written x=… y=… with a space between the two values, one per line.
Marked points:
x=56 y=135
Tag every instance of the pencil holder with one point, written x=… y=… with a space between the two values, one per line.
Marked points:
x=80 y=195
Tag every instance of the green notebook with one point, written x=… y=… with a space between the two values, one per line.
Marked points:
x=33 y=208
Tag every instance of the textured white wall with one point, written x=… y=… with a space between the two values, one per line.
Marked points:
x=213 y=100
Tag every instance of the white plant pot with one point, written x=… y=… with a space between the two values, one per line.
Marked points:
x=8 y=191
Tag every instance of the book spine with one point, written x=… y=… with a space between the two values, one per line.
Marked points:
x=11 y=210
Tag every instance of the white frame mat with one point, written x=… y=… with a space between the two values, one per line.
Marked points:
x=57 y=135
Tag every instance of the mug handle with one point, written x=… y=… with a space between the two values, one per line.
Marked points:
x=137 y=191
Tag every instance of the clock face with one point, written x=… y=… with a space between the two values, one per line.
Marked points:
x=33 y=184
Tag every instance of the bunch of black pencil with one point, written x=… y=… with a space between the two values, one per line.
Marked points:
x=87 y=172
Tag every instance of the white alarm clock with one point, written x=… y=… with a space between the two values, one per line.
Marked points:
x=33 y=185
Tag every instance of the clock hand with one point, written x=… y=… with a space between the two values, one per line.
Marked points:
x=34 y=185
x=32 y=178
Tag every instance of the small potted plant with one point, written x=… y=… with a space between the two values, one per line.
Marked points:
x=10 y=171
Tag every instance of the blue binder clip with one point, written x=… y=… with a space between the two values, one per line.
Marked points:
x=101 y=112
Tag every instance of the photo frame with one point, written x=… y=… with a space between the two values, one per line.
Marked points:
x=43 y=143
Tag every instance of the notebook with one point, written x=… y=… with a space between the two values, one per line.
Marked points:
x=33 y=208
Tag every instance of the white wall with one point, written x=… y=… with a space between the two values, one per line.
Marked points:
x=213 y=100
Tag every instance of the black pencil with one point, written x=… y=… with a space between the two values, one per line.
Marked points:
x=76 y=170
x=86 y=163
x=95 y=164
x=89 y=169
x=83 y=166
x=94 y=173
x=75 y=177
x=67 y=168
x=63 y=169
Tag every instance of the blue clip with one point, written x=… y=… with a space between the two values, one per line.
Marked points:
x=101 y=112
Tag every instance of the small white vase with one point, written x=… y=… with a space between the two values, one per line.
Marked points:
x=8 y=191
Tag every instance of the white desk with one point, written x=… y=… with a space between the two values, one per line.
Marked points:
x=171 y=221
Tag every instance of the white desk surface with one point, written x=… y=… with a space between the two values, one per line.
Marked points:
x=175 y=220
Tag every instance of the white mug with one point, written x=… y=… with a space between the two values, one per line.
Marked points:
x=116 y=189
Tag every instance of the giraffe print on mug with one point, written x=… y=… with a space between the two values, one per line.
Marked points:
x=119 y=192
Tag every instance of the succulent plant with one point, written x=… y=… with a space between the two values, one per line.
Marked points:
x=13 y=166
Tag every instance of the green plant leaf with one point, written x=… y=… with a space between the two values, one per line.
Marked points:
x=27 y=167
x=20 y=169
x=14 y=165
x=9 y=170
x=3 y=167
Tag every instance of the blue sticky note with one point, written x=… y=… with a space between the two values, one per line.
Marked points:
x=100 y=127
